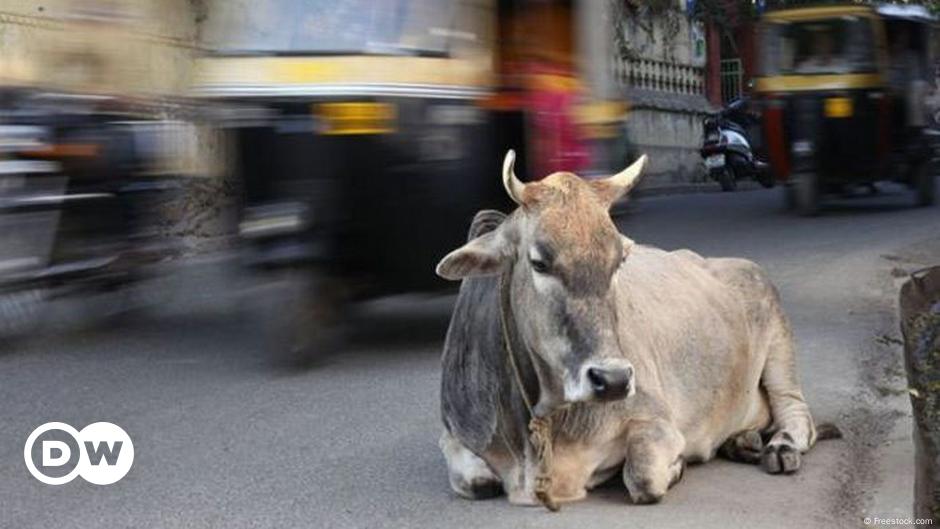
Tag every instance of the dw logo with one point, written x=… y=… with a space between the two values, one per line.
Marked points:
x=101 y=453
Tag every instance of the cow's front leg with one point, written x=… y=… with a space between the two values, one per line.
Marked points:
x=470 y=476
x=794 y=431
x=653 y=460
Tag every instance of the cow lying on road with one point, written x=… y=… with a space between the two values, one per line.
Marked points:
x=646 y=359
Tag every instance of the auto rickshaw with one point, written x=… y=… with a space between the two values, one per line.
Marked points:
x=842 y=91
x=84 y=172
x=367 y=134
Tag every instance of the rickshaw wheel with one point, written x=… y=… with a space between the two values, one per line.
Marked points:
x=305 y=322
x=924 y=184
x=806 y=193
x=789 y=196
x=20 y=313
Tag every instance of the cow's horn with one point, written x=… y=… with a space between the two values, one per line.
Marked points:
x=512 y=184
x=625 y=180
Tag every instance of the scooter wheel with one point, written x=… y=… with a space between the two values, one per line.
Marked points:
x=766 y=180
x=726 y=180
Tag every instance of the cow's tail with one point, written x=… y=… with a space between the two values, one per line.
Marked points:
x=827 y=430
x=486 y=220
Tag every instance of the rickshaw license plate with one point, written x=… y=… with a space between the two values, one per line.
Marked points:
x=838 y=107
x=356 y=118
x=715 y=161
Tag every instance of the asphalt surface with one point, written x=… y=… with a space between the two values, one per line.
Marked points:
x=224 y=437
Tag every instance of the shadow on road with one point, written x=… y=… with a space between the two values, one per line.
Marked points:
x=889 y=198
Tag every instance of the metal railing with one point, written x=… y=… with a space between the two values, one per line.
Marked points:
x=660 y=76
x=732 y=74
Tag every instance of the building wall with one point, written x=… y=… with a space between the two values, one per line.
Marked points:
x=139 y=47
x=659 y=65
x=143 y=49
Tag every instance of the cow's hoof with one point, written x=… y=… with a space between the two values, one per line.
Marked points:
x=478 y=489
x=780 y=459
x=646 y=498
x=678 y=472
x=745 y=447
x=644 y=492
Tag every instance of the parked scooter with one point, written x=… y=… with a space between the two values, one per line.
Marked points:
x=727 y=149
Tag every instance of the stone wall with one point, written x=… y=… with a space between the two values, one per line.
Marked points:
x=669 y=130
x=659 y=65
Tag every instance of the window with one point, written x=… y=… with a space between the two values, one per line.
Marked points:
x=829 y=46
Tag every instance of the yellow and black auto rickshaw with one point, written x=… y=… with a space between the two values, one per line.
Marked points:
x=367 y=134
x=842 y=91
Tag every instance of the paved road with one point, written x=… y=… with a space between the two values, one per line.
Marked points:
x=225 y=439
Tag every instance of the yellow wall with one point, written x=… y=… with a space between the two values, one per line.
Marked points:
x=101 y=46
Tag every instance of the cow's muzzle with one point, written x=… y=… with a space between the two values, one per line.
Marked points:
x=610 y=383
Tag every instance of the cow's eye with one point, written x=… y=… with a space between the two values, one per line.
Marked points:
x=539 y=265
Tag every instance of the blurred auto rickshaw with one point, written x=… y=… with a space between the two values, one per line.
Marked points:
x=82 y=172
x=843 y=95
x=367 y=134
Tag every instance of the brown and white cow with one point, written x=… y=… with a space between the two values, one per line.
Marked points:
x=647 y=359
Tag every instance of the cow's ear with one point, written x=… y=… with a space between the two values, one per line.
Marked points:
x=481 y=256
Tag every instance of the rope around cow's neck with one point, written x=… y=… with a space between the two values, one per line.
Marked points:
x=540 y=428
